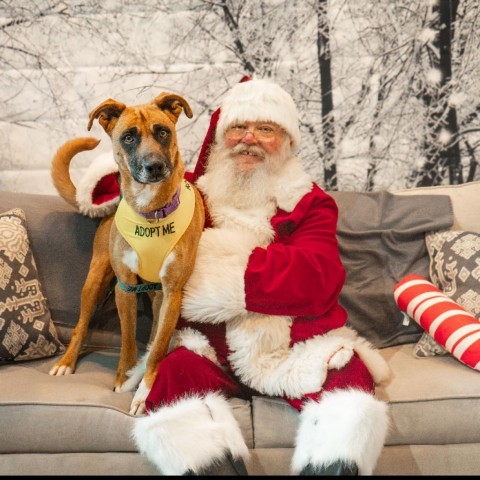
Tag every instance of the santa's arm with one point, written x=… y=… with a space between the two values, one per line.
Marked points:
x=302 y=273
x=299 y=274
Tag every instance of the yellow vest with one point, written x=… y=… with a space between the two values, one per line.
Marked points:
x=153 y=240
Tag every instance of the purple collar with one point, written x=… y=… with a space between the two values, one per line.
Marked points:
x=165 y=211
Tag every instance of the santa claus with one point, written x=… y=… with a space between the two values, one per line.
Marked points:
x=261 y=312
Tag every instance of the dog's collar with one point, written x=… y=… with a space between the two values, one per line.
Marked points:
x=165 y=211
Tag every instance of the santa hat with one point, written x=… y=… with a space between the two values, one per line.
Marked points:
x=259 y=100
x=98 y=191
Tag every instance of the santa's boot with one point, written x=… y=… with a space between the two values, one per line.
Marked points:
x=342 y=434
x=196 y=435
x=225 y=466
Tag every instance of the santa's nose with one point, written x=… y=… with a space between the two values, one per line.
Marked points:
x=249 y=137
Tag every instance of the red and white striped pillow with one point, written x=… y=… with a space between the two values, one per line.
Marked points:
x=446 y=321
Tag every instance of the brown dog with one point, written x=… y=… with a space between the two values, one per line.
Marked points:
x=151 y=179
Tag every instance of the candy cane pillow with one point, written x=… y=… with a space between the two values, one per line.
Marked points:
x=457 y=330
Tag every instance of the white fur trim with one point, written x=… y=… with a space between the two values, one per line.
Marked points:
x=186 y=337
x=259 y=100
x=262 y=358
x=102 y=165
x=291 y=183
x=215 y=292
x=376 y=364
x=194 y=341
x=349 y=425
x=190 y=434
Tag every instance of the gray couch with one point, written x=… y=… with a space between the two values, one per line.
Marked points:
x=77 y=425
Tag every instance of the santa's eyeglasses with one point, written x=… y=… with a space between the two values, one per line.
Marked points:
x=261 y=131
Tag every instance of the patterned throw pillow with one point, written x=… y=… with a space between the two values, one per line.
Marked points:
x=454 y=269
x=27 y=330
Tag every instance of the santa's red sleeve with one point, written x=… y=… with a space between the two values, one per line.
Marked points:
x=301 y=273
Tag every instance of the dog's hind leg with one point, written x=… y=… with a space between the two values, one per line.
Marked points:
x=99 y=276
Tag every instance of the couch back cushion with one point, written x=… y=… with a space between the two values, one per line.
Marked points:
x=382 y=238
x=465 y=200
x=61 y=241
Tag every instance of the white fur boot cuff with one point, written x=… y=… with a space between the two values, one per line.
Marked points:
x=345 y=425
x=190 y=435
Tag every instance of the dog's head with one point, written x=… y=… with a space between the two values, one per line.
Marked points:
x=144 y=136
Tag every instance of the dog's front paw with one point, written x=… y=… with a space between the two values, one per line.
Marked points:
x=137 y=406
x=59 y=370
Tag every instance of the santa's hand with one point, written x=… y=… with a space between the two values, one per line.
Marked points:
x=340 y=358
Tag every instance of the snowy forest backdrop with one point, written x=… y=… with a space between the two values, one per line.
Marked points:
x=388 y=91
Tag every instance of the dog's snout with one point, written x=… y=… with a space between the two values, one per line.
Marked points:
x=154 y=169
x=151 y=169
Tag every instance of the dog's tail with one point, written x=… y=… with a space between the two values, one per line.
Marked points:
x=60 y=169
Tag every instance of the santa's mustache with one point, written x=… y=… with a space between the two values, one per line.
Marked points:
x=248 y=149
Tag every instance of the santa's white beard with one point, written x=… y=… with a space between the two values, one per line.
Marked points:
x=227 y=185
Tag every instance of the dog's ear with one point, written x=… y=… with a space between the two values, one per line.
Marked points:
x=172 y=105
x=107 y=114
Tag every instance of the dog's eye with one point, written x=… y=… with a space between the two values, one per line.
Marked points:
x=128 y=138
x=162 y=132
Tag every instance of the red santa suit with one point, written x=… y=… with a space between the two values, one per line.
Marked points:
x=261 y=314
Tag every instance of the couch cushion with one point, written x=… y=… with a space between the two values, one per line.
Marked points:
x=433 y=401
x=73 y=413
x=76 y=464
